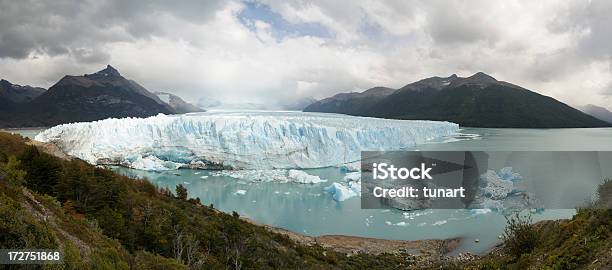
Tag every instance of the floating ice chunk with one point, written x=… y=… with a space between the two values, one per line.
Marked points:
x=240 y=192
x=440 y=222
x=303 y=177
x=241 y=140
x=204 y=176
x=254 y=175
x=352 y=176
x=340 y=192
x=480 y=211
x=152 y=163
x=506 y=173
x=502 y=192
x=496 y=205
x=279 y=175
x=351 y=167
x=351 y=187
x=496 y=188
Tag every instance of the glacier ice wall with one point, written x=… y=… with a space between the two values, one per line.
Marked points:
x=239 y=140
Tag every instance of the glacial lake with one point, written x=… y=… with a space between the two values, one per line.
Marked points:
x=308 y=209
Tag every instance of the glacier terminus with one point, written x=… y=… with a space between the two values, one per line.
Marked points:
x=239 y=139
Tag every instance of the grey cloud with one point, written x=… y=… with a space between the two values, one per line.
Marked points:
x=592 y=20
x=450 y=22
x=67 y=27
x=550 y=66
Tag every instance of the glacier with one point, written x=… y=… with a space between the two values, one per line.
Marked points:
x=239 y=139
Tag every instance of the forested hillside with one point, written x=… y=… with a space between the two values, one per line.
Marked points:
x=104 y=220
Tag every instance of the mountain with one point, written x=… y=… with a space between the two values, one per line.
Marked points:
x=476 y=101
x=18 y=93
x=351 y=103
x=597 y=112
x=177 y=104
x=89 y=97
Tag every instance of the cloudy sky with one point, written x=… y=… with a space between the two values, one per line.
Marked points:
x=276 y=50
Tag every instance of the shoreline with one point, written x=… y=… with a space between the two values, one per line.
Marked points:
x=351 y=245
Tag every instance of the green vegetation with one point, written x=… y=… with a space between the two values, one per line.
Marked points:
x=519 y=236
x=583 y=242
x=102 y=220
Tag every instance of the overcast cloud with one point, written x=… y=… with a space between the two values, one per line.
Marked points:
x=273 y=51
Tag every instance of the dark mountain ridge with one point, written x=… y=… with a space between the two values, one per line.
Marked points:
x=92 y=97
x=476 y=101
x=19 y=93
x=353 y=103
x=89 y=97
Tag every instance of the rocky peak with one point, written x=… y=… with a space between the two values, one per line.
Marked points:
x=481 y=77
x=108 y=72
x=433 y=82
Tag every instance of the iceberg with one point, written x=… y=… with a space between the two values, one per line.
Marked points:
x=503 y=192
x=340 y=192
x=304 y=178
x=276 y=175
x=239 y=140
x=349 y=188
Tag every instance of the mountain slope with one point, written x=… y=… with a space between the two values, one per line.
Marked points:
x=597 y=112
x=18 y=93
x=350 y=103
x=476 y=101
x=177 y=104
x=92 y=97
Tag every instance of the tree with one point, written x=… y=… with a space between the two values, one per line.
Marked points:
x=11 y=171
x=44 y=171
x=181 y=192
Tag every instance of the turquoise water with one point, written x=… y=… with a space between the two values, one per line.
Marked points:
x=515 y=139
x=308 y=209
x=25 y=132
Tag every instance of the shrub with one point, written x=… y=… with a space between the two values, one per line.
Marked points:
x=520 y=236
x=181 y=192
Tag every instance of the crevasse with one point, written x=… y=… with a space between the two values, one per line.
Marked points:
x=239 y=140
